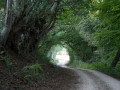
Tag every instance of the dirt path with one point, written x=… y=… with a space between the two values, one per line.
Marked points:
x=81 y=79
x=94 y=80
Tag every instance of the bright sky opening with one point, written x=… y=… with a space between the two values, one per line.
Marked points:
x=62 y=57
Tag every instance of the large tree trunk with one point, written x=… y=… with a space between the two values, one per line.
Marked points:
x=116 y=59
x=8 y=23
x=22 y=31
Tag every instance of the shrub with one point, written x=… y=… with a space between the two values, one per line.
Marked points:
x=6 y=60
x=33 y=73
x=103 y=66
x=106 y=68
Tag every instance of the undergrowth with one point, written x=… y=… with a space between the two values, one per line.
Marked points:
x=106 y=68
x=33 y=72
x=102 y=66
x=5 y=60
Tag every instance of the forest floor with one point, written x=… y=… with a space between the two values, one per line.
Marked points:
x=12 y=77
x=62 y=79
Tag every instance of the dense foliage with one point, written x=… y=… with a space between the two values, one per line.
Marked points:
x=91 y=31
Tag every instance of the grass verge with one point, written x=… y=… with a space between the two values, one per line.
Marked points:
x=102 y=66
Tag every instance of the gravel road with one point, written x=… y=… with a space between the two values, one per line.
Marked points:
x=94 y=80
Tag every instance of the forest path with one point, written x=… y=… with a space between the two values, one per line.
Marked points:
x=94 y=80
x=78 y=79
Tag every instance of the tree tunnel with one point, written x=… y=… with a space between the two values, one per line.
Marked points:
x=23 y=36
x=78 y=49
x=38 y=36
x=66 y=54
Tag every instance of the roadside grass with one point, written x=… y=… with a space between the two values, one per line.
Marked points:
x=106 y=68
x=102 y=66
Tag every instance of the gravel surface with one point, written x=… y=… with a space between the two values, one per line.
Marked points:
x=94 y=80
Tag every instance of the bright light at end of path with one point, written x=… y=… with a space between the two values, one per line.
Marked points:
x=62 y=57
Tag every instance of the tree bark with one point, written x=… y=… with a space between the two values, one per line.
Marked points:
x=8 y=23
x=116 y=59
